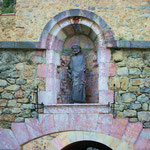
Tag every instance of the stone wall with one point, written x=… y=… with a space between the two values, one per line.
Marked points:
x=132 y=84
x=8 y=28
x=18 y=79
x=129 y=20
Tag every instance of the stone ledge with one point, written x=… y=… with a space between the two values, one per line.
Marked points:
x=76 y=108
x=130 y=44
x=36 y=45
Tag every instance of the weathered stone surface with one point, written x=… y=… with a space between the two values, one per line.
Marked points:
x=27 y=106
x=142 y=98
x=23 y=100
x=19 y=119
x=134 y=89
x=34 y=114
x=118 y=56
x=134 y=54
x=129 y=113
x=124 y=83
x=148 y=81
x=144 y=106
x=146 y=125
x=7 y=95
x=12 y=103
x=133 y=120
x=6 y=111
x=132 y=62
x=146 y=71
x=25 y=113
x=144 y=116
x=28 y=73
x=20 y=81
x=3 y=102
x=122 y=71
x=19 y=94
x=115 y=83
x=20 y=66
x=16 y=110
x=145 y=90
x=10 y=80
x=7 y=117
x=3 y=82
x=138 y=81
x=38 y=60
x=1 y=89
x=135 y=106
x=12 y=88
x=134 y=71
x=128 y=97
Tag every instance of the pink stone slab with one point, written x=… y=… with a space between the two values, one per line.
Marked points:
x=118 y=127
x=61 y=122
x=103 y=69
x=8 y=140
x=104 y=123
x=47 y=97
x=103 y=55
x=50 y=41
x=85 y=122
x=132 y=132
x=103 y=83
x=111 y=69
x=106 y=96
x=39 y=53
x=50 y=83
x=50 y=56
x=57 y=142
x=20 y=131
x=145 y=133
x=50 y=70
x=34 y=128
x=141 y=144
x=47 y=123
x=41 y=70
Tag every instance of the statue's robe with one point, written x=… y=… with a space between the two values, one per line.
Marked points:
x=77 y=73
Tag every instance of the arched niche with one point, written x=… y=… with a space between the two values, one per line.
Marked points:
x=92 y=33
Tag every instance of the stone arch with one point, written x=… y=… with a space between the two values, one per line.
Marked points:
x=52 y=39
x=62 y=139
x=107 y=32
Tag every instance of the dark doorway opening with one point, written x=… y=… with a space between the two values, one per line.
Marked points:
x=86 y=145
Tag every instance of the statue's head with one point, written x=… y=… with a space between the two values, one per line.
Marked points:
x=76 y=49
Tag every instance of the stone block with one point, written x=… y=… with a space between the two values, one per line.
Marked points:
x=128 y=97
x=20 y=66
x=132 y=132
x=105 y=96
x=41 y=70
x=135 y=106
x=103 y=54
x=142 y=98
x=123 y=71
x=144 y=116
x=102 y=83
x=134 y=71
x=33 y=127
x=23 y=100
x=135 y=62
x=115 y=83
x=18 y=128
x=118 y=56
x=6 y=95
x=50 y=84
x=145 y=90
x=144 y=106
x=7 y=117
x=16 y=110
x=129 y=113
x=146 y=71
x=47 y=97
x=27 y=106
x=20 y=81
x=3 y=83
x=8 y=140
x=50 y=70
x=124 y=83
x=50 y=56
x=134 y=89
x=19 y=119
x=12 y=88
x=138 y=81
x=3 y=102
x=19 y=94
x=12 y=103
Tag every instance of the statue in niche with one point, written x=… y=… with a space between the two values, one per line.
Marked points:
x=77 y=75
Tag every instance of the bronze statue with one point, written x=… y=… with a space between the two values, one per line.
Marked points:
x=77 y=75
